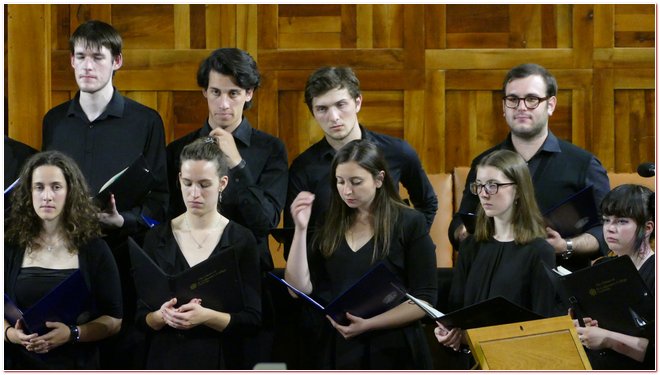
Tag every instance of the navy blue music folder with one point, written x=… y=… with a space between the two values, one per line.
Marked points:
x=65 y=303
x=379 y=290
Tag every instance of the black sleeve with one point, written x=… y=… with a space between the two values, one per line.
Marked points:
x=155 y=204
x=468 y=249
x=415 y=180
x=104 y=277
x=249 y=319
x=261 y=197
x=420 y=261
x=542 y=290
x=469 y=204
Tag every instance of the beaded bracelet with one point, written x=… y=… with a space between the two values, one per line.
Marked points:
x=7 y=337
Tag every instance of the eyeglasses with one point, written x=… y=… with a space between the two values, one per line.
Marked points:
x=490 y=187
x=531 y=102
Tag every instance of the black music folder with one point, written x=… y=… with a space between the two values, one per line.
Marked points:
x=612 y=292
x=65 y=303
x=379 y=290
x=491 y=312
x=215 y=280
x=574 y=215
x=129 y=186
x=469 y=220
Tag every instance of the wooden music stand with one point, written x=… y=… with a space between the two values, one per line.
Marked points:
x=544 y=344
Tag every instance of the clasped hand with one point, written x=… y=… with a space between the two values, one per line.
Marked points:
x=356 y=327
x=450 y=338
x=185 y=316
x=591 y=336
x=57 y=336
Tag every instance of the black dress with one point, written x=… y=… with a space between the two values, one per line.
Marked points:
x=202 y=347
x=412 y=258
x=516 y=272
x=99 y=271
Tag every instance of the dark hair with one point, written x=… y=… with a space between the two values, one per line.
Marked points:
x=328 y=78
x=526 y=70
x=232 y=62
x=385 y=206
x=526 y=218
x=205 y=148
x=636 y=202
x=94 y=34
x=79 y=224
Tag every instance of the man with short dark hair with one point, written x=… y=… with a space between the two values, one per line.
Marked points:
x=104 y=132
x=333 y=97
x=558 y=168
x=258 y=162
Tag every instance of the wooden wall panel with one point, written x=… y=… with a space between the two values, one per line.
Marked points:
x=431 y=74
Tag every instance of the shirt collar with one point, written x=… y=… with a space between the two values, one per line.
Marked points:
x=328 y=152
x=551 y=144
x=114 y=108
x=243 y=132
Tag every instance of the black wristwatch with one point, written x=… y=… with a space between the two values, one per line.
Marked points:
x=74 y=337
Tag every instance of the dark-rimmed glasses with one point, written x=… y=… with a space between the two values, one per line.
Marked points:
x=490 y=187
x=531 y=101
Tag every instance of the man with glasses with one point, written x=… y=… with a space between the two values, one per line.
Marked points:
x=558 y=168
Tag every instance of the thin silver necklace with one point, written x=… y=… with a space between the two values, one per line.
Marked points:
x=199 y=244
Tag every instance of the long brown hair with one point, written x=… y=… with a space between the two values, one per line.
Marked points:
x=79 y=224
x=527 y=220
x=384 y=208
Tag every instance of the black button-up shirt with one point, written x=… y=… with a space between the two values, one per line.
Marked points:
x=255 y=194
x=110 y=143
x=310 y=171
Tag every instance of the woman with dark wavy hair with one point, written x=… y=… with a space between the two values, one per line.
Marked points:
x=52 y=232
x=507 y=254
x=366 y=223
x=629 y=229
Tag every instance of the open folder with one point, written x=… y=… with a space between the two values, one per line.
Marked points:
x=574 y=215
x=215 y=280
x=612 y=292
x=379 y=290
x=491 y=312
x=65 y=303
x=129 y=186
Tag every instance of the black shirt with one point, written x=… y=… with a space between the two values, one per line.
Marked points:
x=255 y=194
x=559 y=169
x=310 y=171
x=110 y=143
x=16 y=153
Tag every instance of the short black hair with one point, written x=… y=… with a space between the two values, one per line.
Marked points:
x=636 y=202
x=232 y=62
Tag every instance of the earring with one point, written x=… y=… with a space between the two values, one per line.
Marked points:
x=219 y=196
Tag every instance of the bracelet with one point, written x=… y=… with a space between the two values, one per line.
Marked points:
x=6 y=336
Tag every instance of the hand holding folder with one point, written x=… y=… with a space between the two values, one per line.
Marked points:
x=129 y=186
x=215 y=281
x=377 y=291
x=491 y=312
x=65 y=304
x=611 y=292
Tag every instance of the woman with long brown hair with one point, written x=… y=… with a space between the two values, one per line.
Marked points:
x=365 y=224
x=52 y=232
x=507 y=254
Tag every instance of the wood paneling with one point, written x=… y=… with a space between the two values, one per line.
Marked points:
x=430 y=74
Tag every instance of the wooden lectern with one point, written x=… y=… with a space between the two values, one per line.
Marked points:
x=544 y=344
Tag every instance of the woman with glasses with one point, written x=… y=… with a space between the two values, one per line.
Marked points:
x=507 y=254
x=629 y=227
